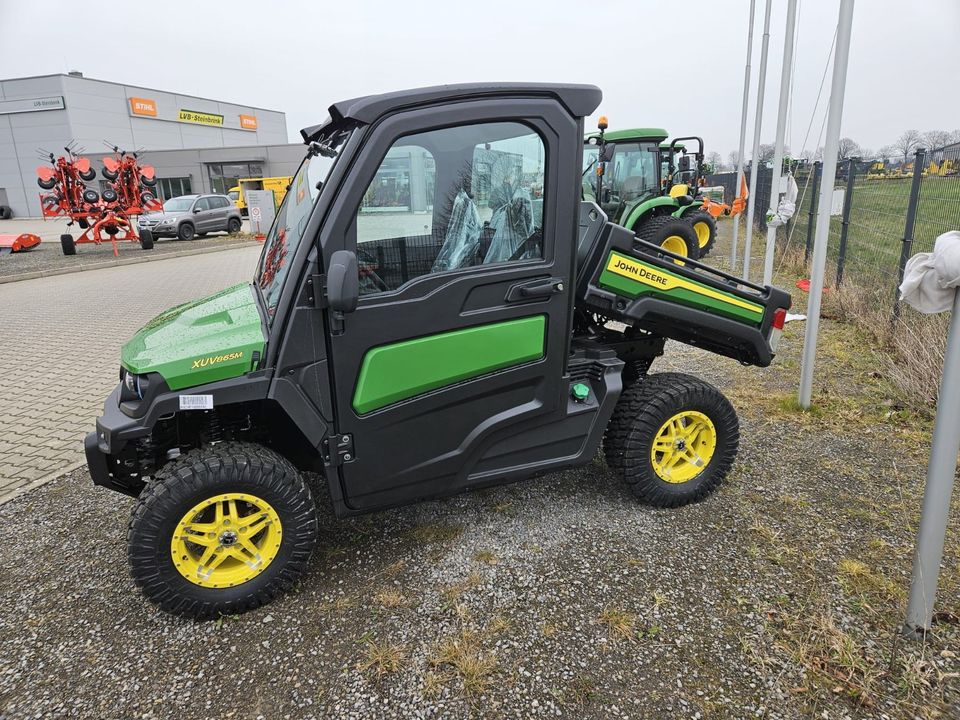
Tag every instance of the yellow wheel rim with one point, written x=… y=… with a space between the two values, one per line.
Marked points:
x=226 y=540
x=703 y=233
x=683 y=447
x=675 y=244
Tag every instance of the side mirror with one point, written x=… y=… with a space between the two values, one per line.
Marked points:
x=343 y=282
x=606 y=152
x=196 y=210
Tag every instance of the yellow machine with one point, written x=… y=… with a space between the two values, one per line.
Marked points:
x=279 y=186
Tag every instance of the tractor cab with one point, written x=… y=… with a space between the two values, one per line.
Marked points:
x=630 y=172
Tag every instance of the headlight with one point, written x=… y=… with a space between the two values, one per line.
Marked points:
x=132 y=386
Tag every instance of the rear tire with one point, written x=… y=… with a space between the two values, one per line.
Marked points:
x=234 y=225
x=186 y=231
x=674 y=437
x=671 y=234
x=231 y=478
x=146 y=239
x=705 y=228
x=68 y=245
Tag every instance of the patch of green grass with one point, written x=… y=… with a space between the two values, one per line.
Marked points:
x=436 y=533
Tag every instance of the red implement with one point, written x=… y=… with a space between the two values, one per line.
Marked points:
x=16 y=243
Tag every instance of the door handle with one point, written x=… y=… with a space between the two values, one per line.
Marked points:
x=530 y=290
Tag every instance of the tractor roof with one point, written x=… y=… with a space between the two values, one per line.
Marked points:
x=580 y=100
x=649 y=133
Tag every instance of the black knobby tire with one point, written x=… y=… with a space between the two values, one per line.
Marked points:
x=640 y=414
x=665 y=230
x=228 y=467
x=234 y=225
x=146 y=239
x=68 y=245
x=703 y=224
x=186 y=231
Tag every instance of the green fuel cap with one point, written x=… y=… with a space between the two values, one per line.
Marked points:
x=580 y=391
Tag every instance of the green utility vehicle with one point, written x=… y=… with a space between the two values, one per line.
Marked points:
x=493 y=328
x=646 y=184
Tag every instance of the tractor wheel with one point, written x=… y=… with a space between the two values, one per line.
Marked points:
x=48 y=184
x=674 y=437
x=234 y=225
x=671 y=234
x=146 y=239
x=221 y=530
x=109 y=174
x=68 y=245
x=706 y=229
x=88 y=175
x=185 y=231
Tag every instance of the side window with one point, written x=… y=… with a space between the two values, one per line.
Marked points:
x=452 y=198
x=202 y=204
x=218 y=203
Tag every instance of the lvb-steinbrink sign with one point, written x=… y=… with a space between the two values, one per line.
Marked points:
x=24 y=105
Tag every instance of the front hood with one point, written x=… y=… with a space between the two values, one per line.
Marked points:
x=200 y=341
x=158 y=216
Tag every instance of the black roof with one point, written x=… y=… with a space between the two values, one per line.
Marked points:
x=580 y=100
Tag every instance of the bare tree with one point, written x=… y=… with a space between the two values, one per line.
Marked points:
x=766 y=152
x=907 y=143
x=887 y=152
x=848 y=148
x=867 y=153
x=734 y=158
x=955 y=136
x=936 y=139
x=715 y=159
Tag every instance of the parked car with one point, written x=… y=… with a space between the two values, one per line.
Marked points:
x=190 y=216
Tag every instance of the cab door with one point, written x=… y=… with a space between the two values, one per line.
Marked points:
x=452 y=365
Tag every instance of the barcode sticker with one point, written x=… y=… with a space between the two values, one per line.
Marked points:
x=196 y=402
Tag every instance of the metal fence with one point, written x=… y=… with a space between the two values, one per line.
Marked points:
x=882 y=213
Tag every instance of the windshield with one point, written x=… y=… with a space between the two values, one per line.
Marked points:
x=291 y=221
x=178 y=204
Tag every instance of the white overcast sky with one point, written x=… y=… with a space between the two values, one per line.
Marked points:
x=658 y=62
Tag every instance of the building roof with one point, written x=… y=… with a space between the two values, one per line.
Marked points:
x=141 y=87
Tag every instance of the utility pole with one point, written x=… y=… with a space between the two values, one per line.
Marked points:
x=758 y=123
x=785 y=72
x=838 y=86
x=743 y=135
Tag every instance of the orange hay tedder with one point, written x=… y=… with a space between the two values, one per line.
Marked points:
x=101 y=215
x=716 y=209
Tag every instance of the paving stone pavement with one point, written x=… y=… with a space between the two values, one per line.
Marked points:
x=60 y=338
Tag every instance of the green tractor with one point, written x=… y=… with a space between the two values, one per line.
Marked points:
x=649 y=186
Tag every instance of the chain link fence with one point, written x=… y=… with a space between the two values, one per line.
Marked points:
x=881 y=214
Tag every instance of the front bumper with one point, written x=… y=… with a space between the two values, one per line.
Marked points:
x=111 y=448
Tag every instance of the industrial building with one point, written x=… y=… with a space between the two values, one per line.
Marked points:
x=196 y=144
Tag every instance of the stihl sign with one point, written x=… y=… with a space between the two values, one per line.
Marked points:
x=143 y=106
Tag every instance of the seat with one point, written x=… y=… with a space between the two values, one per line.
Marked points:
x=462 y=238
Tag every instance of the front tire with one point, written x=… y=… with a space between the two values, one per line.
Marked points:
x=221 y=530
x=185 y=231
x=146 y=239
x=672 y=234
x=674 y=437
x=705 y=228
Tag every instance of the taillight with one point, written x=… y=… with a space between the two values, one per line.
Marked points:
x=776 y=327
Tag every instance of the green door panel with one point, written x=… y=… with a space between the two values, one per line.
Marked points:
x=402 y=370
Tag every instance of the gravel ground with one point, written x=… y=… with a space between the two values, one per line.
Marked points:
x=777 y=597
x=49 y=256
